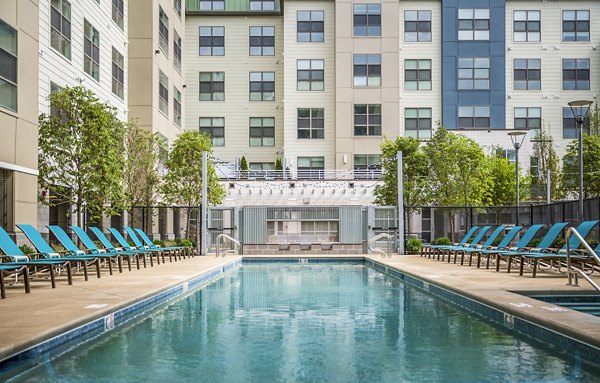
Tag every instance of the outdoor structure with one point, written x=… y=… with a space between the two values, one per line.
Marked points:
x=18 y=112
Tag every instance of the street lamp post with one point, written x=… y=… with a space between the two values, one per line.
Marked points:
x=517 y=137
x=580 y=110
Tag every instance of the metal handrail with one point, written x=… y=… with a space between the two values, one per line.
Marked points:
x=574 y=271
x=378 y=250
x=237 y=243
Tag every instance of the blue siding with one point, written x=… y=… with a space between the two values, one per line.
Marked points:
x=452 y=49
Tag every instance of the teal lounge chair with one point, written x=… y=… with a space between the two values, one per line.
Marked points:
x=183 y=250
x=504 y=245
x=448 y=249
x=506 y=240
x=427 y=249
x=72 y=248
x=488 y=242
x=19 y=260
x=535 y=258
x=92 y=248
x=123 y=242
x=46 y=251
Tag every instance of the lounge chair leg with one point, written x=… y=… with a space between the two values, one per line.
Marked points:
x=129 y=262
x=2 y=289
x=487 y=263
x=478 y=260
x=70 y=273
x=462 y=259
x=535 y=264
x=151 y=261
x=509 y=264
x=144 y=258
x=119 y=263
x=455 y=256
x=521 y=264
x=85 y=272
x=497 y=262
x=26 y=280
x=98 y=267
x=52 y=281
x=137 y=261
x=470 y=259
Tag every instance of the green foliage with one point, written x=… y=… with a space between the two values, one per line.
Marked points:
x=278 y=164
x=442 y=241
x=558 y=243
x=414 y=167
x=143 y=152
x=534 y=242
x=59 y=248
x=501 y=179
x=185 y=242
x=243 y=164
x=413 y=246
x=80 y=152
x=26 y=249
x=159 y=242
x=547 y=159
x=496 y=241
x=591 y=166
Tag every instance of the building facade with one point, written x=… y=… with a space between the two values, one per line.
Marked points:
x=19 y=47
x=341 y=76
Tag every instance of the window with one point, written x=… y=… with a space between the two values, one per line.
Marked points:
x=176 y=50
x=367 y=70
x=528 y=74
x=8 y=67
x=417 y=74
x=262 y=86
x=470 y=117
x=91 y=50
x=310 y=74
x=261 y=166
x=367 y=19
x=212 y=5
x=526 y=26
x=212 y=86
x=367 y=120
x=176 y=106
x=117 y=12
x=177 y=7
x=311 y=123
x=510 y=155
x=163 y=93
x=474 y=73
x=262 y=131
x=529 y=118
x=569 y=124
x=417 y=123
x=576 y=26
x=54 y=111
x=417 y=26
x=311 y=167
x=262 y=41
x=163 y=31
x=118 y=79
x=576 y=74
x=212 y=41
x=310 y=26
x=473 y=24
x=534 y=167
x=367 y=166
x=262 y=5
x=60 y=27
x=214 y=127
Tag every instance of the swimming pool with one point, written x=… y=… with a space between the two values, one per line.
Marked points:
x=315 y=323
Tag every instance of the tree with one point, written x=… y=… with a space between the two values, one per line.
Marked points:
x=182 y=184
x=547 y=159
x=591 y=166
x=80 y=154
x=456 y=171
x=500 y=181
x=414 y=167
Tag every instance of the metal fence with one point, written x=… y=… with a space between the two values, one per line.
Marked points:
x=431 y=222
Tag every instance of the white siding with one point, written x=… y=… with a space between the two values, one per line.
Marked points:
x=54 y=67
x=237 y=64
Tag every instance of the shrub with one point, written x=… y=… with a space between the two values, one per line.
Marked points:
x=186 y=242
x=558 y=243
x=413 y=246
x=26 y=249
x=159 y=242
x=444 y=241
x=593 y=243
x=496 y=241
x=534 y=242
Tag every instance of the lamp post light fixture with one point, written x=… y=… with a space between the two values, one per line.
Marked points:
x=580 y=109
x=517 y=137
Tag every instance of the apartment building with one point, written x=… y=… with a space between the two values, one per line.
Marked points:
x=355 y=72
x=155 y=75
x=18 y=112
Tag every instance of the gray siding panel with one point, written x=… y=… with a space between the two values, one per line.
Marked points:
x=255 y=225
x=350 y=224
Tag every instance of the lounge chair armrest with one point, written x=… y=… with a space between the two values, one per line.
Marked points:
x=15 y=258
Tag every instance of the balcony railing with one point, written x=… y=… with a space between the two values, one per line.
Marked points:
x=303 y=174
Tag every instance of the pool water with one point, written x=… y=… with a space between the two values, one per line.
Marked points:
x=311 y=323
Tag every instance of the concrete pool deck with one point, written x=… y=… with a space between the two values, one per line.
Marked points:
x=28 y=319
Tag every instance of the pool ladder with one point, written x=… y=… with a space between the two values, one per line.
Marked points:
x=226 y=238
x=378 y=250
x=574 y=272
